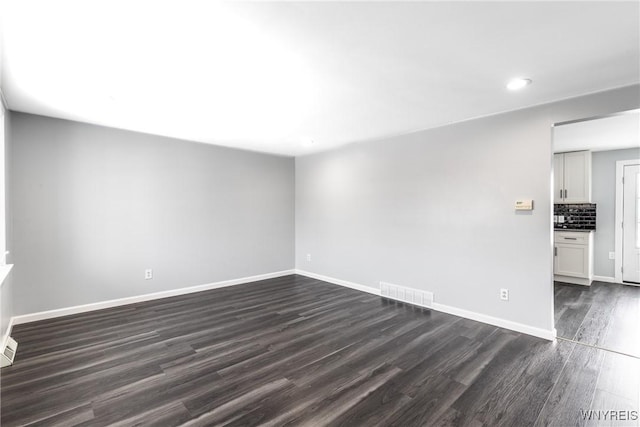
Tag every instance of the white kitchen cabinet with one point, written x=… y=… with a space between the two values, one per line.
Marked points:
x=571 y=260
x=558 y=178
x=572 y=177
x=573 y=257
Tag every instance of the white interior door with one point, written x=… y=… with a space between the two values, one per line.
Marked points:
x=631 y=224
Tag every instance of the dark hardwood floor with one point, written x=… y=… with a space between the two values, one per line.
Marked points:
x=297 y=351
x=604 y=315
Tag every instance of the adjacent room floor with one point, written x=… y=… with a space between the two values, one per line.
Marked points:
x=604 y=315
x=294 y=350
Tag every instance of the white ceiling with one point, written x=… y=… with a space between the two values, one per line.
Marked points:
x=269 y=76
x=606 y=133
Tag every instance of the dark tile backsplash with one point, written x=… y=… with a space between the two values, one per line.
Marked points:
x=576 y=216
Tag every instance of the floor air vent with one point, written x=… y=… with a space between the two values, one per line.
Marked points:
x=408 y=295
x=8 y=353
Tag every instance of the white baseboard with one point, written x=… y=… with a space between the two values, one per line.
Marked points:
x=50 y=314
x=606 y=279
x=496 y=321
x=572 y=280
x=7 y=334
x=549 y=335
x=346 y=284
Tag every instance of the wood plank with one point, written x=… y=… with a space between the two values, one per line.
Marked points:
x=298 y=351
x=605 y=315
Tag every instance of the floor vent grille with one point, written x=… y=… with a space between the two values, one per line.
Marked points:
x=408 y=295
x=8 y=353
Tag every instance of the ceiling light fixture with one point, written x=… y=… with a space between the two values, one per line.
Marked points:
x=308 y=142
x=519 y=83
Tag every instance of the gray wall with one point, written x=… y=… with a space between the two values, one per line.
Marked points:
x=6 y=297
x=603 y=171
x=93 y=207
x=434 y=210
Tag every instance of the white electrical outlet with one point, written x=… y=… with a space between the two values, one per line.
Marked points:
x=612 y=255
x=308 y=257
x=504 y=294
x=148 y=274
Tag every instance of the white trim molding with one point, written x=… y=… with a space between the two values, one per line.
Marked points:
x=549 y=335
x=620 y=164
x=495 y=321
x=4 y=272
x=346 y=284
x=605 y=279
x=7 y=334
x=50 y=314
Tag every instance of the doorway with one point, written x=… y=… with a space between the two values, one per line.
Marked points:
x=597 y=231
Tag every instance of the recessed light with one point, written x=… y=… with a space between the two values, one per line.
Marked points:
x=519 y=83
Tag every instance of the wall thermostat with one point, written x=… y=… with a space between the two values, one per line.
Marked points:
x=524 y=205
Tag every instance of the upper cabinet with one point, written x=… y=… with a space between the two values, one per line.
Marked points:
x=558 y=178
x=572 y=177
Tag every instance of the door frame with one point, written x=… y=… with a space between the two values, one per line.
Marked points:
x=620 y=164
x=618 y=229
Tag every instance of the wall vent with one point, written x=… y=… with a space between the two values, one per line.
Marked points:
x=8 y=353
x=408 y=295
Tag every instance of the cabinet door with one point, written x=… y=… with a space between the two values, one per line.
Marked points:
x=558 y=178
x=577 y=177
x=571 y=260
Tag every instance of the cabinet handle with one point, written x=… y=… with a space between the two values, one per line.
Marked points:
x=561 y=193
x=570 y=238
x=565 y=193
x=555 y=251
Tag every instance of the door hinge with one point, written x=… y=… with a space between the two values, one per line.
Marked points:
x=621 y=269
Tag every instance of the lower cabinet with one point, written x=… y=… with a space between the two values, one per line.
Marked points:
x=573 y=257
